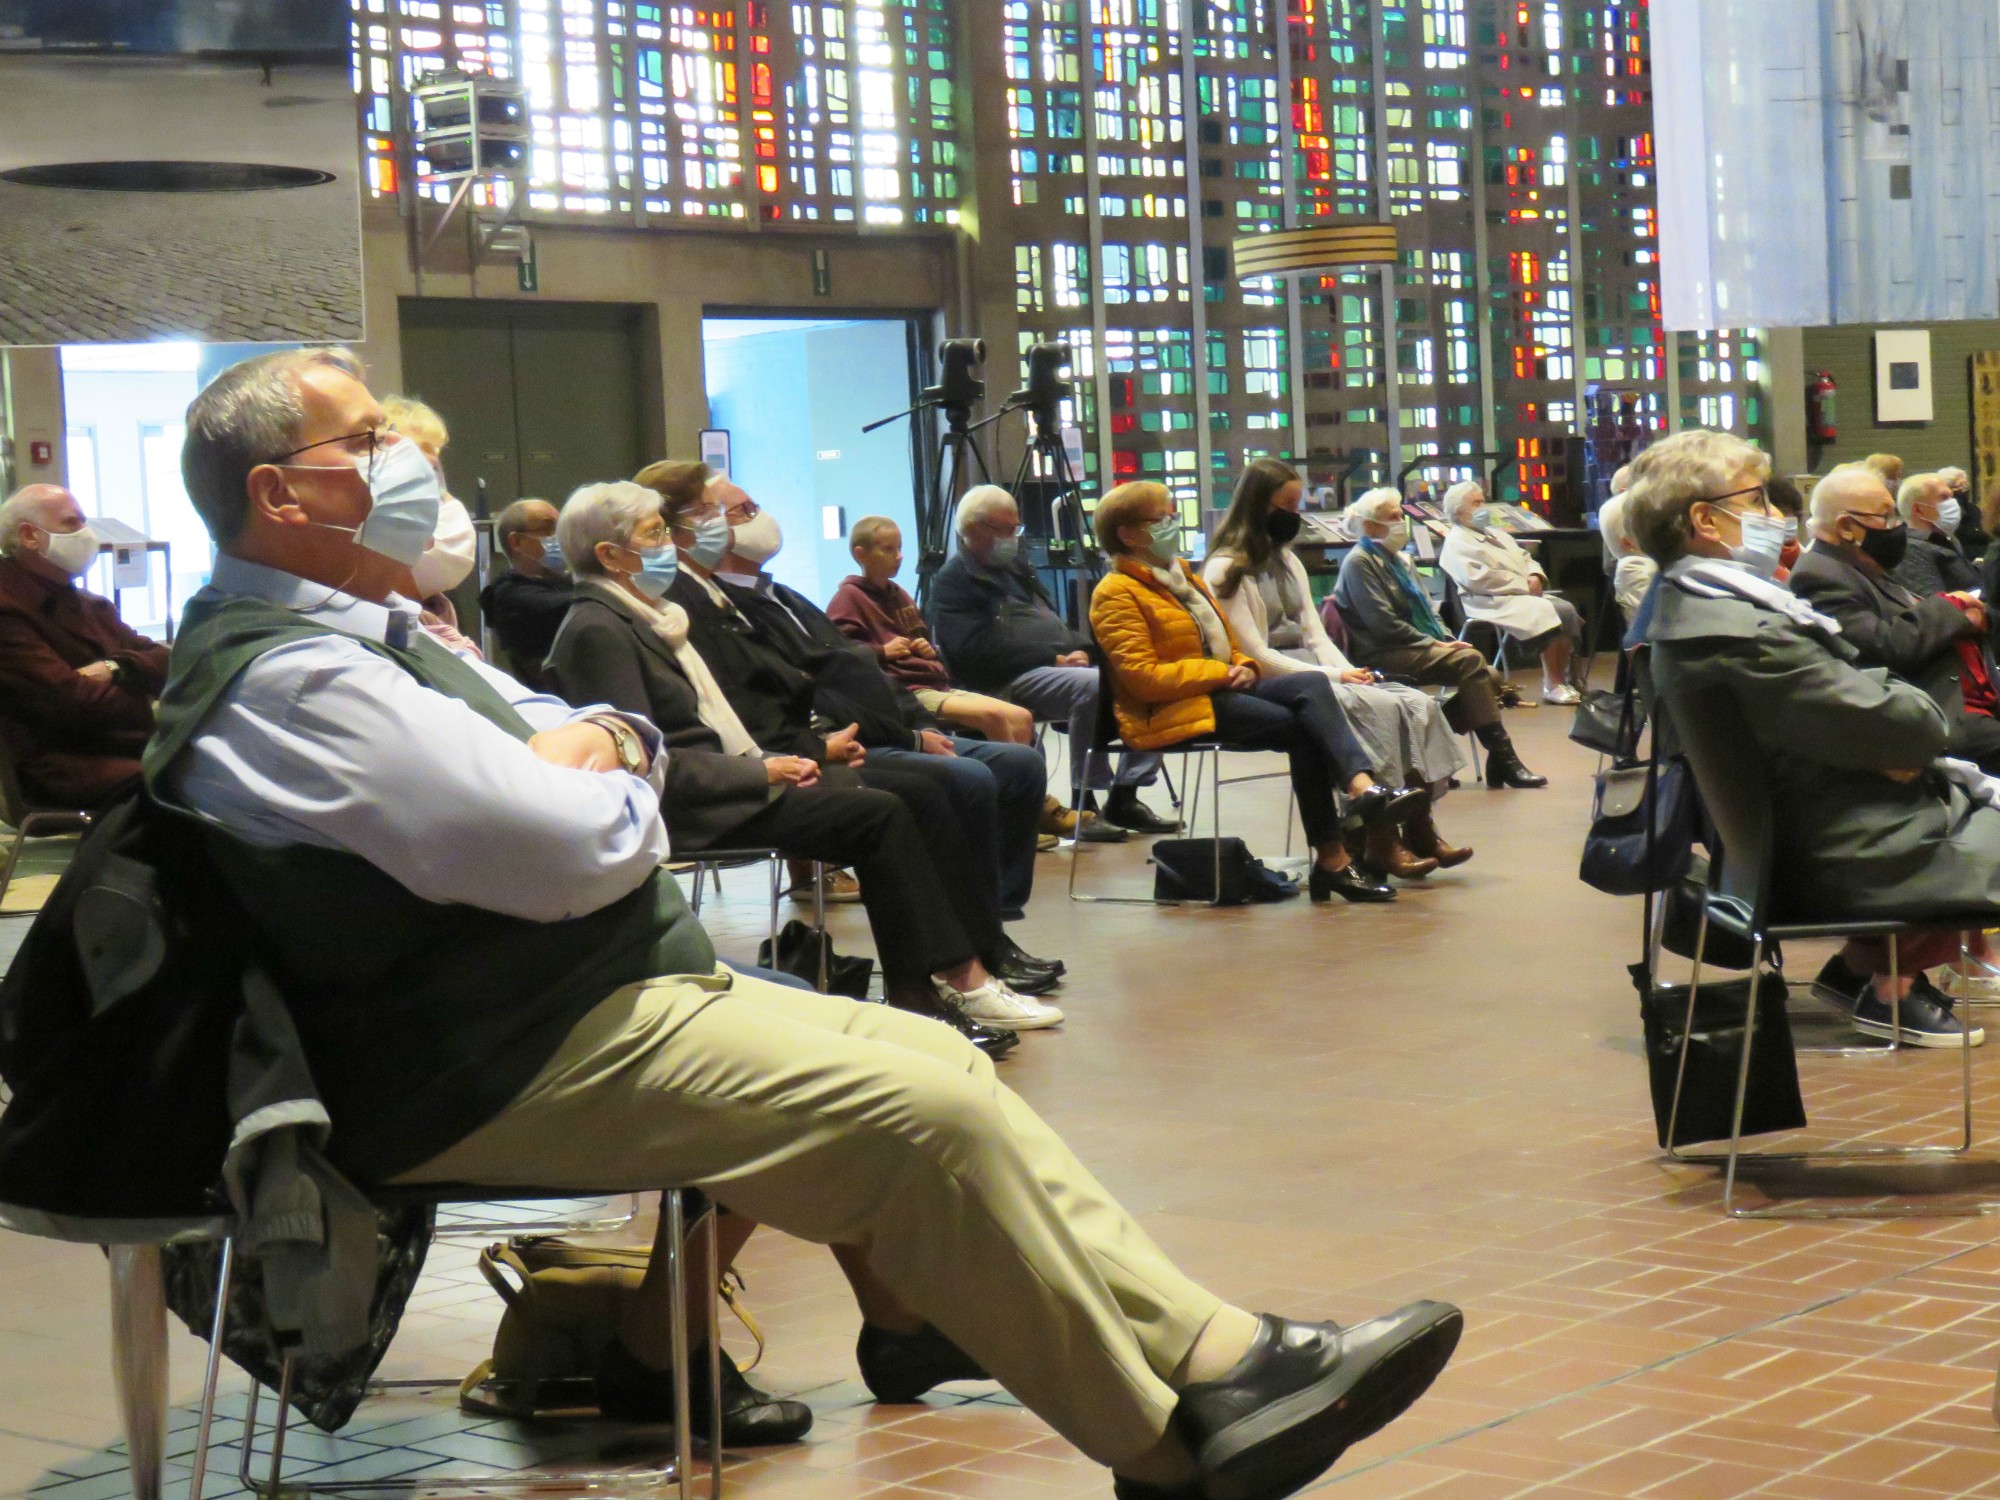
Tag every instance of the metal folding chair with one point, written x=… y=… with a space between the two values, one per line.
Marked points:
x=27 y=819
x=139 y=1342
x=1740 y=899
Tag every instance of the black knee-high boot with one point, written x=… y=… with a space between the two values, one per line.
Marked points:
x=1503 y=764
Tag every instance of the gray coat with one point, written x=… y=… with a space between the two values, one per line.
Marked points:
x=1936 y=564
x=1850 y=840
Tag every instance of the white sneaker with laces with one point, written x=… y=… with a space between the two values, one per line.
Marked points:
x=994 y=1004
x=1562 y=694
x=1983 y=983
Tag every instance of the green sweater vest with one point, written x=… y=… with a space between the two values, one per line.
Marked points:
x=421 y=1020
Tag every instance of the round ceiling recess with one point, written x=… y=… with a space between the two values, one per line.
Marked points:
x=166 y=176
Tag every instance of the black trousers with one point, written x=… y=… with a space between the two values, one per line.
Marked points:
x=1298 y=714
x=1976 y=738
x=962 y=851
x=910 y=911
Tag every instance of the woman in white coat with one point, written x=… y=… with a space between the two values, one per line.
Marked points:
x=1268 y=602
x=1503 y=586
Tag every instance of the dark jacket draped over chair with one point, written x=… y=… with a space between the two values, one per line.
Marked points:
x=75 y=739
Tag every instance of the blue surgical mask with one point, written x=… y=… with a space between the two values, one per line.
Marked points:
x=1791 y=524
x=658 y=567
x=1481 y=517
x=711 y=540
x=1763 y=540
x=1949 y=515
x=1005 y=550
x=406 y=496
x=1165 y=534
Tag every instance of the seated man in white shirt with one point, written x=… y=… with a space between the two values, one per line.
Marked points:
x=1503 y=586
x=457 y=886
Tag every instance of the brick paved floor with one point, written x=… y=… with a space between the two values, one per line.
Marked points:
x=1324 y=1112
x=269 y=266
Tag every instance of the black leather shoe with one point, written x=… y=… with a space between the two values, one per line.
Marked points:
x=1349 y=882
x=1305 y=1393
x=1010 y=953
x=995 y=1041
x=901 y=1367
x=630 y=1392
x=1388 y=805
x=1133 y=1489
x=1123 y=809
x=1024 y=980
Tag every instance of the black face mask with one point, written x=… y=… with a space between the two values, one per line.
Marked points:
x=1281 y=526
x=1885 y=545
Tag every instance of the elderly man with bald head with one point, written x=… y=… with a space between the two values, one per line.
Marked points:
x=1849 y=574
x=526 y=604
x=76 y=682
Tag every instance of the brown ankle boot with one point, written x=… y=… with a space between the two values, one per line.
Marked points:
x=1387 y=855
x=1422 y=838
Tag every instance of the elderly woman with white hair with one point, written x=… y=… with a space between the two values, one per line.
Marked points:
x=1392 y=627
x=1500 y=585
x=1935 y=560
x=1632 y=572
x=626 y=644
x=1000 y=633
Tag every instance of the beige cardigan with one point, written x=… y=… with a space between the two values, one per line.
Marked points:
x=1245 y=613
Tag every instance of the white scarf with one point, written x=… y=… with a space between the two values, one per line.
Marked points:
x=1715 y=578
x=670 y=623
x=1214 y=634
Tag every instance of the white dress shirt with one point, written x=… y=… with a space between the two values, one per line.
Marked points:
x=325 y=742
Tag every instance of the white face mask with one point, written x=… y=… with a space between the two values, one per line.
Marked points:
x=758 y=539
x=72 y=551
x=453 y=550
x=1398 y=537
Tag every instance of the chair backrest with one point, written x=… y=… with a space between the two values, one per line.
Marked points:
x=1451 y=610
x=1335 y=623
x=1730 y=773
x=14 y=806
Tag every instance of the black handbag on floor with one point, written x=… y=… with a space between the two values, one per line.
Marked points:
x=1608 y=722
x=1708 y=1091
x=799 y=949
x=1184 y=870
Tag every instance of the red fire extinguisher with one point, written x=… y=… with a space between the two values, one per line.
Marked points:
x=1822 y=423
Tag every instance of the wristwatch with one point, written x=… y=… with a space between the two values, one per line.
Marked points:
x=631 y=751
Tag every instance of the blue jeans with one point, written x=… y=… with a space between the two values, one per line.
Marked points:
x=997 y=792
x=1068 y=696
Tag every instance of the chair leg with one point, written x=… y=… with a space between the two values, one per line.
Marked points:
x=776 y=867
x=139 y=1360
x=1215 y=820
x=14 y=854
x=1742 y=1074
x=224 y=1283
x=1687 y=1026
x=713 y=1303
x=700 y=879
x=819 y=922
x=673 y=1206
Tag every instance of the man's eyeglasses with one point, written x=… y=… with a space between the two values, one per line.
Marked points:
x=744 y=510
x=377 y=439
x=996 y=529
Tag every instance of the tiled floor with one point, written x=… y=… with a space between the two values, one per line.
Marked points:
x=1323 y=1112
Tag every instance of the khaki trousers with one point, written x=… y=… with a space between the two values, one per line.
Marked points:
x=845 y=1123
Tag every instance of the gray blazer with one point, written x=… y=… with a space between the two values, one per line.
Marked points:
x=1886 y=625
x=606 y=653
x=1849 y=839
x=1936 y=564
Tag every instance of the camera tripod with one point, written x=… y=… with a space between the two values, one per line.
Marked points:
x=1046 y=461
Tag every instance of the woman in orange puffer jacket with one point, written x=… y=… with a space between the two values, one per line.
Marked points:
x=1179 y=677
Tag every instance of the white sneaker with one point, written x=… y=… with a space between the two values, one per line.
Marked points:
x=993 y=1004
x=1983 y=983
x=1563 y=694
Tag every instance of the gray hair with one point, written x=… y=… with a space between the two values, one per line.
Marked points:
x=1456 y=497
x=981 y=501
x=1916 y=489
x=1836 y=495
x=1382 y=506
x=601 y=513
x=24 y=505
x=1678 y=470
x=1953 y=476
x=1621 y=479
x=513 y=521
x=1612 y=526
x=248 y=415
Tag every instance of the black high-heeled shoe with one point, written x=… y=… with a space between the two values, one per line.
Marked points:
x=1349 y=882
x=1388 y=804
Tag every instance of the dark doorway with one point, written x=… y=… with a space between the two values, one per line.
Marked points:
x=540 y=397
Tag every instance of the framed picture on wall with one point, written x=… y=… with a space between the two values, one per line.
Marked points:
x=1903 y=376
